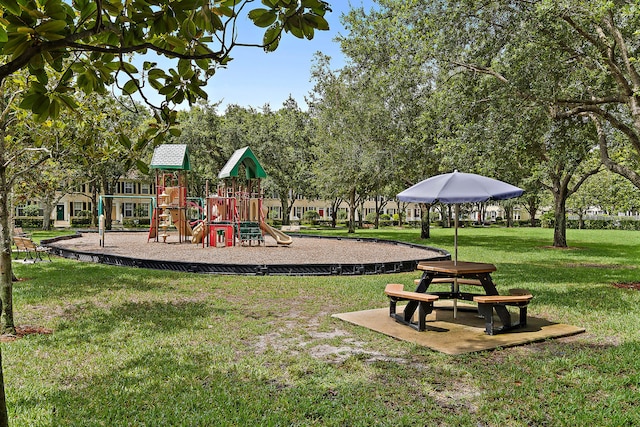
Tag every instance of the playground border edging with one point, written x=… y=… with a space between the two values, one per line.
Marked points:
x=332 y=269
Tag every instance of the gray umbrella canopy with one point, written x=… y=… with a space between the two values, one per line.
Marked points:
x=455 y=188
x=458 y=187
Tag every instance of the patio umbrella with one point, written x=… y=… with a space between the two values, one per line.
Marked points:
x=455 y=188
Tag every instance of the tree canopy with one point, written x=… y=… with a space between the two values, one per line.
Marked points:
x=90 y=42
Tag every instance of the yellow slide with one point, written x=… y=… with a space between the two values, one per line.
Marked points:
x=281 y=238
x=198 y=233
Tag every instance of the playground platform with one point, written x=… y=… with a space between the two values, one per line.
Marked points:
x=307 y=256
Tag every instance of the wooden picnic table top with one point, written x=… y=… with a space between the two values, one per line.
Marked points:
x=453 y=268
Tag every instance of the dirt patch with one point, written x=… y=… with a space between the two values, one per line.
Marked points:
x=22 y=331
x=596 y=265
x=627 y=285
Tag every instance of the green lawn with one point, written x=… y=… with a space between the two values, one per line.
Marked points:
x=136 y=347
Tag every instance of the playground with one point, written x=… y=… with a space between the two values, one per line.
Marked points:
x=229 y=233
x=232 y=213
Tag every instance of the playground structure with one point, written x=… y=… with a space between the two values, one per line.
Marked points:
x=171 y=163
x=233 y=215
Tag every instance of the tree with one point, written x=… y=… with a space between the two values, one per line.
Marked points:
x=285 y=149
x=200 y=130
x=89 y=43
x=355 y=147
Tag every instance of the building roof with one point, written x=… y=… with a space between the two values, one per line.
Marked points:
x=243 y=156
x=171 y=157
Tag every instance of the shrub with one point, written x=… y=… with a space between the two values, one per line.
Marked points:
x=31 y=210
x=80 y=221
x=311 y=217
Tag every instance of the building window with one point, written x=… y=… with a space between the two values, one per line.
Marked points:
x=275 y=212
x=77 y=208
x=128 y=188
x=145 y=189
x=128 y=209
x=143 y=210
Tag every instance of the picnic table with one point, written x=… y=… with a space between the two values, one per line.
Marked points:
x=468 y=273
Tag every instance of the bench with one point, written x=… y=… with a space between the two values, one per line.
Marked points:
x=20 y=247
x=32 y=251
x=396 y=292
x=486 y=303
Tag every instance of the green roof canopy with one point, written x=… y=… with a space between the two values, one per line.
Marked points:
x=243 y=156
x=171 y=157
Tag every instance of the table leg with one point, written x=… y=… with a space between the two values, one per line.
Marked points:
x=490 y=289
x=422 y=287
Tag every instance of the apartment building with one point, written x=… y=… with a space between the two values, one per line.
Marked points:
x=133 y=200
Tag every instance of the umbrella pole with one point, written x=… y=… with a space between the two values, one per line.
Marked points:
x=455 y=260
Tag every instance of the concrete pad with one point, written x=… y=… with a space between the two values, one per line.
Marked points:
x=465 y=334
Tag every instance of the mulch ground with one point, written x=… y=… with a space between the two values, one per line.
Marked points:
x=22 y=331
x=628 y=285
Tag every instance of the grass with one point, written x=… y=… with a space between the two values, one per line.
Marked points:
x=139 y=347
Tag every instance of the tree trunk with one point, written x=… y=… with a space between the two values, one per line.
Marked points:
x=284 y=205
x=108 y=207
x=560 y=220
x=94 y=210
x=6 y=272
x=508 y=215
x=533 y=207
x=47 y=209
x=425 y=229
x=352 y=211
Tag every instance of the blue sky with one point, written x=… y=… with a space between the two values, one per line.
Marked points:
x=255 y=78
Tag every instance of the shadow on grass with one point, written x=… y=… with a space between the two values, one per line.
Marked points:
x=71 y=279
x=87 y=322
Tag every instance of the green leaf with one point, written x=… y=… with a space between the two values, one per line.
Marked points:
x=129 y=68
x=12 y=6
x=14 y=41
x=40 y=105
x=29 y=100
x=184 y=66
x=54 y=109
x=68 y=101
x=53 y=26
x=124 y=140
x=3 y=35
x=224 y=11
x=262 y=17
x=156 y=84
x=271 y=35
x=190 y=27
x=273 y=46
x=157 y=73
x=130 y=87
x=142 y=166
x=316 y=21
x=202 y=63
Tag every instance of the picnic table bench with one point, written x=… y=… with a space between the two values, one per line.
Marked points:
x=462 y=273
x=396 y=292
x=487 y=303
